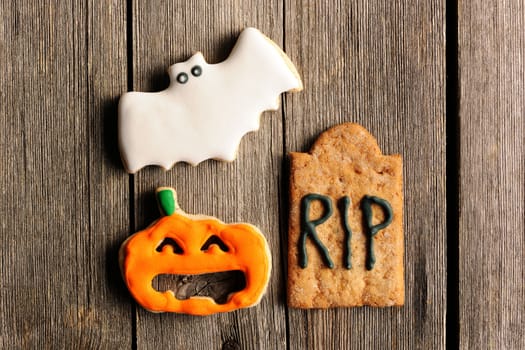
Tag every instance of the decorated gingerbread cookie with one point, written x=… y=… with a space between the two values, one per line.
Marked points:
x=207 y=108
x=195 y=264
x=346 y=223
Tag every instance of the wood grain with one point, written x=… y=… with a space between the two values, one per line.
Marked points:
x=492 y=180
x=380 y=64
x=166 y=32
x=66 y=202
x=63 y=199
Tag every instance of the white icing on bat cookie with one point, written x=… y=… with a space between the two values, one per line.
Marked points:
x=207 y=108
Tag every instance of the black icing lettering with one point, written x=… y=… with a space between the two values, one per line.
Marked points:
x=308 y=228
x=372 y=230
x=347 y=247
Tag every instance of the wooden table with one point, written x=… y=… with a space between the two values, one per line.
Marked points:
x=440 y=82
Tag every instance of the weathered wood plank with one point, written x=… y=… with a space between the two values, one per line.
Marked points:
x=63 y=193
x=381 y=64
x=246 y=190
x=492 y=168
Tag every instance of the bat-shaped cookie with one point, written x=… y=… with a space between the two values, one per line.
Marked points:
x=207 y=108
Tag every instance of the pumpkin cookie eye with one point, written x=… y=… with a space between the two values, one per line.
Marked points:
x=214 y=240
x=171 y=242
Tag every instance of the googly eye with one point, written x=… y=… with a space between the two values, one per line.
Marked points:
x=182 y=78
x=196 y=71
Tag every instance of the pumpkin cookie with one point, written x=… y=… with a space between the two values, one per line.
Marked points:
x=194 y=264
x=345 y=245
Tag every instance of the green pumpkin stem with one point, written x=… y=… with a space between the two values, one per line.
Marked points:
x=167 y=200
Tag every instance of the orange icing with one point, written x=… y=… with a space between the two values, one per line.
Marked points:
x=247 y=251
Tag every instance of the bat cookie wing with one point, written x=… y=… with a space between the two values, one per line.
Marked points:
x=207 y=108
x=263 y=70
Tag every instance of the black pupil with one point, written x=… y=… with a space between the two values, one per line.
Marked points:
x=182 y=78
x=196 y=71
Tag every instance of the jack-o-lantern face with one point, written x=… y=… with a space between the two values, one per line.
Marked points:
x=179 y=244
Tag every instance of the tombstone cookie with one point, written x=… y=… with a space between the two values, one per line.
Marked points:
x=195 y=264
x=207 y=108
x=345 y=244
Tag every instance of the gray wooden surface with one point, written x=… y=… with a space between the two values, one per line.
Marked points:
x=67 y=203
x=492 y=174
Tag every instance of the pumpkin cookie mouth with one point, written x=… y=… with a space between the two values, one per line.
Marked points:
x=218 y=286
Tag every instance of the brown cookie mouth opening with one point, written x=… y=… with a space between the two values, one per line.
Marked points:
x=218 y=286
